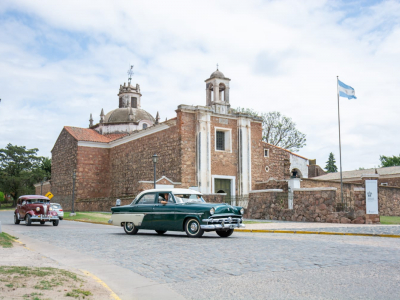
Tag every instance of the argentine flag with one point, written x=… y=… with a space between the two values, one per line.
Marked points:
x=346 y=91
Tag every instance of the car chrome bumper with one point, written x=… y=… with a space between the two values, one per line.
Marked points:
x=223 y=223
x=44 y=218
x=221 y=226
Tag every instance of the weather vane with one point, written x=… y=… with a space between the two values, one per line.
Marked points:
x=130 y=73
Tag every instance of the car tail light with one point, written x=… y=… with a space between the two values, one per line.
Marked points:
x=60 y=210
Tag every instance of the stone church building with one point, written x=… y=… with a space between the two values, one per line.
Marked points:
x=210 y=148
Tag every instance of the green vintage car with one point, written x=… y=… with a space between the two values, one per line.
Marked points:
x=165 y=210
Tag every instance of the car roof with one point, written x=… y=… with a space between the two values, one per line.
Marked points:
x=173 y=190
x=28 y=197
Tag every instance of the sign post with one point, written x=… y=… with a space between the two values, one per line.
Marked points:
x=371 y=197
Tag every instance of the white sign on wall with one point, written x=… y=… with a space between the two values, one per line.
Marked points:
x=371 y=197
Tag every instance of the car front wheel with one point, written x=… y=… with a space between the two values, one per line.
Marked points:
x=192 y=228
x=28 y=220
x=130 y=228
x=16 y=219
x=55 y=222
x=223 y=233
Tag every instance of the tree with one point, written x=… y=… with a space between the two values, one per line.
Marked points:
x=389 y=161
x=19 y=170
x=331 y=164
x=279 y=130
x=45 y=165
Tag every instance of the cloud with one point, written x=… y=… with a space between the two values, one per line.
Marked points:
x=61 y=62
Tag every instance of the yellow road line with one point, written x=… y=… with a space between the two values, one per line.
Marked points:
x=23 y=245
x=84 y=221
x=318 y=232
x=112 y=294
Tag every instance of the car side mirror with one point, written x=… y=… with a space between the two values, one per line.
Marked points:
x=118 y=202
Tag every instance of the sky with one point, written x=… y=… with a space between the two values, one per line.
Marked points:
x=62 y=61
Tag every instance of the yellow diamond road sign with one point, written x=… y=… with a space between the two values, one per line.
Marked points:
x=49 y=195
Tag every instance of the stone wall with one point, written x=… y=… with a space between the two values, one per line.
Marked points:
x=309 y=205
x=278 y=163
x=63 y=164
x=389 y=201
x=45 y=189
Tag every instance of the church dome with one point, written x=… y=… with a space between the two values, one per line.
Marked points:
x=217 y=74
x=122 y=115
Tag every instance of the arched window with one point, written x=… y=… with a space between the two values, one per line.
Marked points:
x=222 y=88
x=144 y=125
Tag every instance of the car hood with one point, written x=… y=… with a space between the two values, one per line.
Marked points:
x=220 y=208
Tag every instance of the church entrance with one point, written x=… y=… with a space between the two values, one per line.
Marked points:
x=223 y=186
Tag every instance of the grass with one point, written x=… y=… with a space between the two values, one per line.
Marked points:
x=389 y=220
x=76 y=293
x=88 y=216
x=7 y=206
x=6 y=240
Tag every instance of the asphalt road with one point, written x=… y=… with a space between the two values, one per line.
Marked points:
x=244 y=266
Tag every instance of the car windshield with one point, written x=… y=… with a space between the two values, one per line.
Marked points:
x=56 y=206
x=183 y=198
x=39 y=201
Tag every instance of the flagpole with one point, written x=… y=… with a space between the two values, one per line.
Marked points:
x=340 y=143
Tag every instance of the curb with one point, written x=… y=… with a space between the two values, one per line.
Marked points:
x=83 y=221
x=318 y=232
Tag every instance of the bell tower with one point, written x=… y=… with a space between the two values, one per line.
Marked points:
x=129 y=96
x=217 y=92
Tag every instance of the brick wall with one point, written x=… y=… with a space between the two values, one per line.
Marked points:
x=315 y=170
x=132 y=162
x=45 y=189
x=224 y=162
x=93 y=175
x=389 y=201
x=186 y=123
x=63 y=163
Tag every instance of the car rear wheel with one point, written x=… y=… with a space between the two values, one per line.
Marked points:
x=130 y=228
x=223 y=233
x=42 y=222
x=16 y=219
x=161 y=231
x=60 y=218
x=192 y=228
x=28 y=220
x=55 y=222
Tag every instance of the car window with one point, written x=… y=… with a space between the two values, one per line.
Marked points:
x=147 y=199
x=56 y=206
x=163 y=197
x=23 y=202
x=182 y=198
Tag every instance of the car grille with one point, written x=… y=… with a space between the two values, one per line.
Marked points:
x=229 y=220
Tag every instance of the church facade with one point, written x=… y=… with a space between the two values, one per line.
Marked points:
x=210 y=148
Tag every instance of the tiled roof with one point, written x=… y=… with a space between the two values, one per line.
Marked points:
x=285 y=150
x=358 y=173
x=90 y=135
x=115 y=136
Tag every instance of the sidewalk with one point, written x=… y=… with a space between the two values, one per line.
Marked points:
x=328 y=228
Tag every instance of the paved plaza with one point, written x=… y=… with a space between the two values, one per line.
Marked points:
x=244 y=266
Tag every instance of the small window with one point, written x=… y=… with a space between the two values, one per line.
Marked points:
x=133 y=102
x=266 y=169
x=144 y=125
x=266 y=152
x=220 y=140
x=384 y=183
x=147 y=199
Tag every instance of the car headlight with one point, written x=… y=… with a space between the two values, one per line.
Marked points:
x=242 y=211
x=50 y=208
x=37 y=208
x=212 y=211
